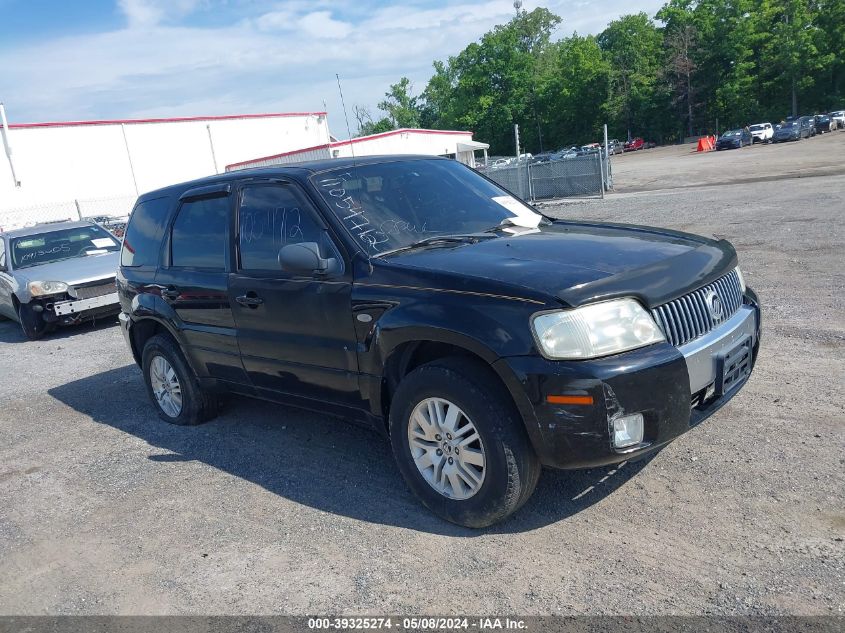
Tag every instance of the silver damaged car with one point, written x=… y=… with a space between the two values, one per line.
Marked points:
x=57 y=274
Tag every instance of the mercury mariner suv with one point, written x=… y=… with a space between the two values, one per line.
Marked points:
x=412 y=294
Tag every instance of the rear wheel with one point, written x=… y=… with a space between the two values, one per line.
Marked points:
x=172 y=386
x=460 y=445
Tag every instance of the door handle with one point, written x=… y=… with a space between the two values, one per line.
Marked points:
x=250 y=300
x=170 y=293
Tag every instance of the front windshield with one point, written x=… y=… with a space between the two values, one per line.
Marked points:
x=756 y=128
x=390 y=205
x=53 y=246
x=822 y=119
x=789 y=124
x=731 y=133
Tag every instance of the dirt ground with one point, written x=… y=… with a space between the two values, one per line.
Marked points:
x=269 y=510
x=679 y=166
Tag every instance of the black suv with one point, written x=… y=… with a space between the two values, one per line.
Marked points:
x=414 y=295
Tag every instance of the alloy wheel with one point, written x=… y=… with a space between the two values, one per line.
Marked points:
x=165 y=386
x=446 y=448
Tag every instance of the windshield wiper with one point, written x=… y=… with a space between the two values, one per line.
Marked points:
x=433 y=241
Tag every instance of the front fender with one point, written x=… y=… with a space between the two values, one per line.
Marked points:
x=488 y=328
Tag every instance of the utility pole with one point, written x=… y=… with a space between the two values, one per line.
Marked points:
x=516 y=138
x=4 y=129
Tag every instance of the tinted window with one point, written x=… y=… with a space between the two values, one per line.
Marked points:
x=198 y=239
x=54 y=246
x=142 y=241
x=270 y=217
x=2 y=252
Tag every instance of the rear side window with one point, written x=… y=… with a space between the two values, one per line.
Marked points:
x=199 y=236
x=142 y=241
x=270 y=217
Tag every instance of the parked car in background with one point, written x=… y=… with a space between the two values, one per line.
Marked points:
x=762 y=132
x=734 y=139
x=839 y=117
x=485 y=343
x=810 y=123
x=634 y=144
x=615 y=146
x=589 y=149
x=825 y=123
x=791 y=130
x=57 y=273
x=564 y=154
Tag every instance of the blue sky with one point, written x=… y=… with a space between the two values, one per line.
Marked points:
x=94 y=59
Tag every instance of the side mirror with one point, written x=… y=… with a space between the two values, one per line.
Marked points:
x=304 y=259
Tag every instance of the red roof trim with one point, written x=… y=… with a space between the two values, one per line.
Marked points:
x=352 y=141
x=188 y=119
x=282 y=155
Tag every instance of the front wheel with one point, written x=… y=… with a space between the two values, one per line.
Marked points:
x=32 y=323
x=460 y=444
x=172 y=386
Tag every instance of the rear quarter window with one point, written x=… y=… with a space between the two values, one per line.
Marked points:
x=142 y=241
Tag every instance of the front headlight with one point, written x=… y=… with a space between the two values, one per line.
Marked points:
x=595 y=330
x=40 y=288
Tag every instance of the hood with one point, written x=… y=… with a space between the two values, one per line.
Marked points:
x=78 y=270
x=787 y=131
x=578 y=263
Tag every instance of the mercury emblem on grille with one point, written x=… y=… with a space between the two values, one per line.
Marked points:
x=714 y=304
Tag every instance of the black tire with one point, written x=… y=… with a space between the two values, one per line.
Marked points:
x=512 y=469
x=32 y=323
x=198 y=405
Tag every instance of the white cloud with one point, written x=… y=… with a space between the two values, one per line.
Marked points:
x=320 y=24
x=276 y=21
x=278 y=57
x=148 y=13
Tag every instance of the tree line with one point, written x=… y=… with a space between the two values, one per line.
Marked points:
x=696 y=67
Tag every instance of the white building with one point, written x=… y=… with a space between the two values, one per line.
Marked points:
x=104 y=165
x=458 y=145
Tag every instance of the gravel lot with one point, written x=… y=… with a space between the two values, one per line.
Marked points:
x=272 y=510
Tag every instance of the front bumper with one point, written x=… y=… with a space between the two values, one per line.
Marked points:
x=83 y=306
x=70 y=311
x=673 y=388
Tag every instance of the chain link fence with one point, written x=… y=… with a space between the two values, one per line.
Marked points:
x=111 y=212
x=577 y=176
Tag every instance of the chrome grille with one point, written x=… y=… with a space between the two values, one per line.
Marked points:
x=689 y=317
x=89 y=292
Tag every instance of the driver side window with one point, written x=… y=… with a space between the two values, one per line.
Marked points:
x=271 y=217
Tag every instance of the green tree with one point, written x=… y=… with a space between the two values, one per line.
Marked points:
x=792 y=56
x=830 y=19
x=633 y=45
x=366 y=124
x=574 y=91
x=493 y=84
x=400 y=106
x=680 y=67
